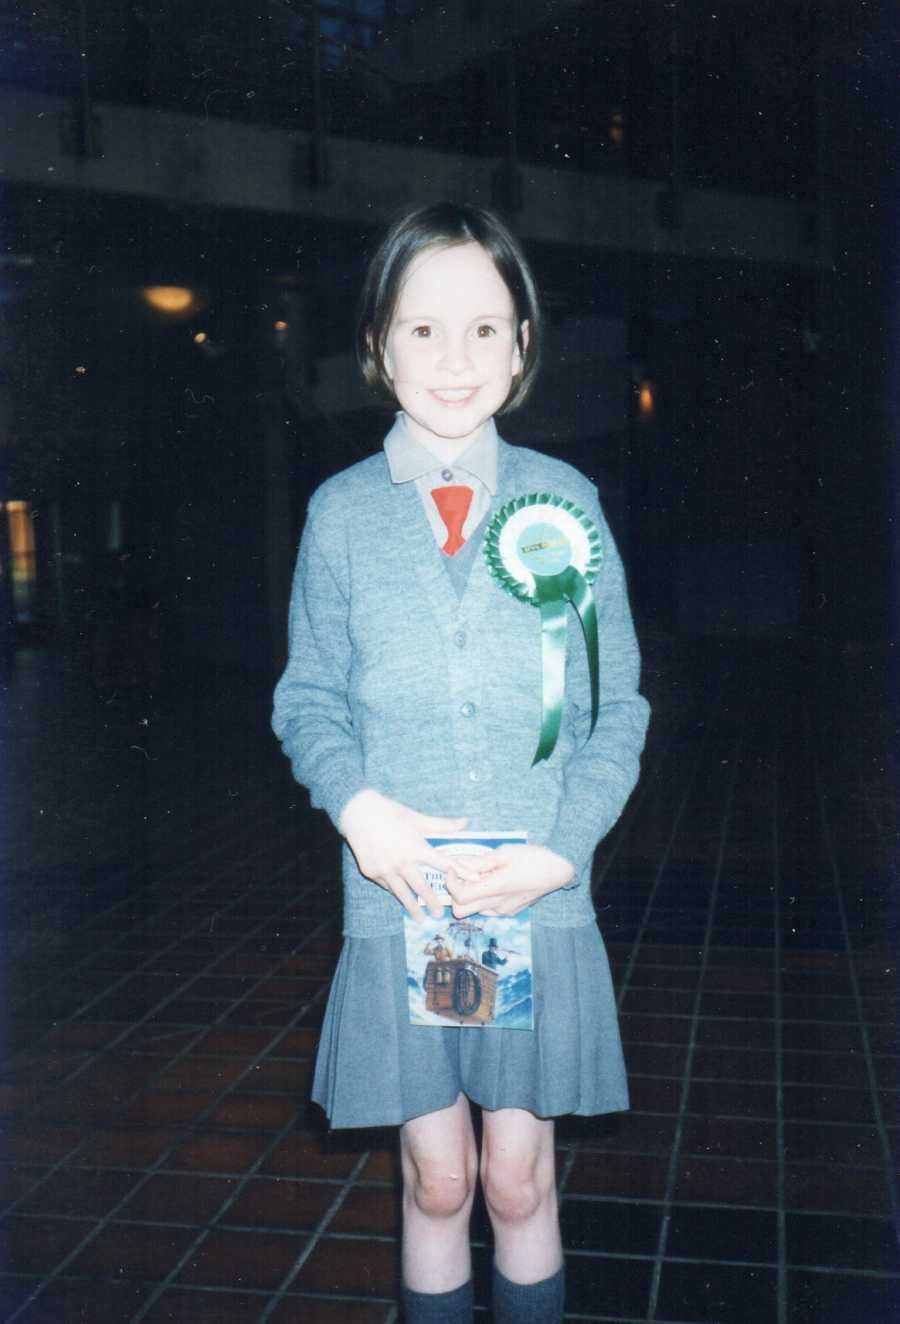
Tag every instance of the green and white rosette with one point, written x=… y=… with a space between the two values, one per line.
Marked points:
x=546 y=552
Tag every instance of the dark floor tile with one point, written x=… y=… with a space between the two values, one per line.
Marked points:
x=659 y=1002
x=846 y=1069
x=204 y=1306
x=36 y=1142
x=818 y=1037
x=358 y=1267
x=826 y=1142
x=733 y=979
x=708 y=1179
x=750 y=1006
x=133 y=1147
x=818 y=1007
x=271 y=1202
x=167 y=1107
x=242 y=1260
x=733 y=1064
x=300 y=1155
x=233 y=1042
x=85 y=1034
x=827 y=1104
x=17 y=1181
x=634 y=1132
x=171 y=1198
x=639 y=1176
x=889 y=1104
x=255 y=1112
x=201 y=1073
x=836 y=1298
x=650 y=1059
x=731 y=1098
x=218 y=1152
x=735 y=1033
x=829 y=1241
x=654 y=1094
x=70 y=1300
x=81 y=1192
x=382 y=1165
x=285 y=1075
x=669 y=954
x=296 y=1043
x=37 y=1245
x=609 y=1287
x=730 y=1137
x=132 y=1250
x=655 y=1029
x=716 y=1294
x=319 y=1310
x=369 y=1210
x=610 y=1226
x=664 y=977
x=702 y=1233
x=840 y=1189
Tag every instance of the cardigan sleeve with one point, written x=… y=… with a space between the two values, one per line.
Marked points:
x=599 y=778
x=311 y=715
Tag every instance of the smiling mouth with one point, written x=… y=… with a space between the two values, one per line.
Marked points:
x=454 y=395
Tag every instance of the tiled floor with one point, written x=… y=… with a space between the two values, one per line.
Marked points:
x=173 y=920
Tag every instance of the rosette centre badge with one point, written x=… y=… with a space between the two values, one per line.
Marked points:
x=546 y=552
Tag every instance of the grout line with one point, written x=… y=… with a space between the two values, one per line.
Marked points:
x=675 y=1155
x=172 y=872
x=314 y=1238
x=889 y=1172
x=214 y=1103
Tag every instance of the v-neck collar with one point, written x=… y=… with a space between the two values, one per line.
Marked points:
x=420 y=549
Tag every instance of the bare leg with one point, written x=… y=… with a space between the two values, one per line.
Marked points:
x=440 y=1165
x=518 y=1173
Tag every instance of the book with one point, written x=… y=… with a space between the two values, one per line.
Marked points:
x=476 y=972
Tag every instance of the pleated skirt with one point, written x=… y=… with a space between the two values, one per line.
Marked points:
x=376 y=1069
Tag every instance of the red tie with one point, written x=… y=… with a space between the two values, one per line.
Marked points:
x=453 y=506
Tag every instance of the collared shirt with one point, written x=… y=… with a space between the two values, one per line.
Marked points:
x=411 y=462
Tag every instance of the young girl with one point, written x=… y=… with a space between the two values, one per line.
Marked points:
x=414 y=695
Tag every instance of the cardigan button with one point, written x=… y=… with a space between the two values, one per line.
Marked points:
x=468 y=709
x=447 y=475
x=460 y=638
x=474 y=775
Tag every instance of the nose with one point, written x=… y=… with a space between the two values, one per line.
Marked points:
x=456 y=357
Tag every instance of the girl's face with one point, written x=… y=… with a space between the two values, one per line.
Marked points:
x=451 y=350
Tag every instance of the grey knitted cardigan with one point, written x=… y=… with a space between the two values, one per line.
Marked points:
x=395 y=682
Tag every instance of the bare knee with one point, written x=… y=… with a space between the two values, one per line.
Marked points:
x=515 y=1189
x=439 y=1191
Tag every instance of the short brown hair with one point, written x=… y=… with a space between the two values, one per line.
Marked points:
x=442 y=225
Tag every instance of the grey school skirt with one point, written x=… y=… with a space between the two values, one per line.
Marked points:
x=375 y=1069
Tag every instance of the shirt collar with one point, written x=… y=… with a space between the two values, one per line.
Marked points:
x=408 y=459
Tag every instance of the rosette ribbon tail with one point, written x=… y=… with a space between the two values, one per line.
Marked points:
x=554 y=609
x=578 y=592
x=554 y=593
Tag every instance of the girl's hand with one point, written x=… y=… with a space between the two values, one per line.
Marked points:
x=388 y=841
x=506 y=880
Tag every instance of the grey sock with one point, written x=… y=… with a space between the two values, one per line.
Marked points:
x=529 y=1303
x=438 y=1307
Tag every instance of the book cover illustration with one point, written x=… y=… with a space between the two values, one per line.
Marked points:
x=474 y=972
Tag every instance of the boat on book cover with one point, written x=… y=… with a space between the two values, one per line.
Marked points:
x=461 y=988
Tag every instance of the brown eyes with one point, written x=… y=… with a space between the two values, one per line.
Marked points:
x=483 y=332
